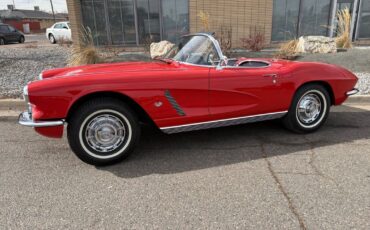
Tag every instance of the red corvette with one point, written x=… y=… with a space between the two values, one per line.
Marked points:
x=194 y=87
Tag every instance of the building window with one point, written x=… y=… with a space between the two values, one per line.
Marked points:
x=314 y=17
x=121 y=21
x=92 y=17
x=364 y=23
x=148 y=20
x=135 y=22
x=285 y=19
x=294 y=18
x=175 y=15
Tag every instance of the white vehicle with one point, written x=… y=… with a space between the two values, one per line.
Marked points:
x=59 y=31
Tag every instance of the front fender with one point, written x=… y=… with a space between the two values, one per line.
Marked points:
x=337 y=78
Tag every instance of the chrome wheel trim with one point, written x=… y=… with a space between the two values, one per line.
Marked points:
x=2 y=41
x=311 y=109
x=109 y=122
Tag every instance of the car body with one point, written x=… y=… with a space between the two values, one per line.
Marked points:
x=60 y=31
x=191 y=91
x=10 y=34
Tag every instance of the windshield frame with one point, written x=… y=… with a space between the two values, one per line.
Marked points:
x=216 y=46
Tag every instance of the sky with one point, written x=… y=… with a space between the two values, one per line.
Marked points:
x=60 y=6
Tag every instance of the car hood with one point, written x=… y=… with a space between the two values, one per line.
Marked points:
x=108 y=69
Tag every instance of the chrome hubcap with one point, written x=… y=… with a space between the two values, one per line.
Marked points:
x=309 y=108
x=105 y=133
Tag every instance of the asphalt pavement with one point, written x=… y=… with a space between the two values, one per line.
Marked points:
x=256 y=176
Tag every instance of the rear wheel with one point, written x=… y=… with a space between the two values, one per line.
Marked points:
x=52 y=39
x=2 y=41
x=309 y=110
x=103 y=131
x=21 y=39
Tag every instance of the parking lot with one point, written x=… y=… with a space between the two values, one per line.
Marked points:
x=256 y=176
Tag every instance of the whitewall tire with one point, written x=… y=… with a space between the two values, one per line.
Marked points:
x=103 y=131
x=309 y=109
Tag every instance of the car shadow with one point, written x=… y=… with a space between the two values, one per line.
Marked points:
x=160 y=153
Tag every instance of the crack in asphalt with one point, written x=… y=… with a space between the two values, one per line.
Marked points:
x=297 y=173
x=313 y=156
x=291 y=206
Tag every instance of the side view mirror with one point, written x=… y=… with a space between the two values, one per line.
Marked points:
x=65 y=27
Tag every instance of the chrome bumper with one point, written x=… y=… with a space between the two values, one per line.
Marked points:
x=25 y=119
x=352 y=92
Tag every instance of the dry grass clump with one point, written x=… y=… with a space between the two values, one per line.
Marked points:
x=288 y=50
x=343 y=38
x=86 y=53
x=204 y=19
x=225 y=39
x=255 y=41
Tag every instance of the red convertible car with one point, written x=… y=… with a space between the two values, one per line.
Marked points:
x=193 y=87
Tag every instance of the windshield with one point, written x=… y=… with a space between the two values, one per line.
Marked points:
x=196 y=49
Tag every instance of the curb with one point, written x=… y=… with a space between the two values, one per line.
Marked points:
x=12 y=104
x=360 y=99
x=17 y=105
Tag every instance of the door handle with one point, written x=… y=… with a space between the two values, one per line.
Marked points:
x=273 y=75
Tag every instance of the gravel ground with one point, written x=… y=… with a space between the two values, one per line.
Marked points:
x=21 y=65
x=363 y=83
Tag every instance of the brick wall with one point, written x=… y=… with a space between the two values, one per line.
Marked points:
x=75 y=19
x=242 y=16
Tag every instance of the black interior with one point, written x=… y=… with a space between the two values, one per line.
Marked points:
x=253 y=64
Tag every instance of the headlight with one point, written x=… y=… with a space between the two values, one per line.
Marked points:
x=40 y=76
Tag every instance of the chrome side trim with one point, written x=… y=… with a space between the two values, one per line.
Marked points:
x=25 y=119
x=174 y=103
x=352 y=92
x=223 y=122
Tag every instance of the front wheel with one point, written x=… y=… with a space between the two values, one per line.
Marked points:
x=2 y=41
x=103 y=131
x=52 y=39
x=309 y=110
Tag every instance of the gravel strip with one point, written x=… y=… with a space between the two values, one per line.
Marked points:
x=363 y=83
x=21 y=65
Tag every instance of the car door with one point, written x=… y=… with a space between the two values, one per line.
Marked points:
x=4 y=30
x=57 y=31
x=244 y=91
x=65 y=32
x=13 y=34
x=185 y=95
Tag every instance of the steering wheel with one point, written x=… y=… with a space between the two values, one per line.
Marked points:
x=185 y=57
x=210 y=58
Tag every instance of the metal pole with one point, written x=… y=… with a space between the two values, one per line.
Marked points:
x=13 y=4
x=52 y=9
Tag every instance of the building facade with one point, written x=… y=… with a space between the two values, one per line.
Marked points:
x=137 y=22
